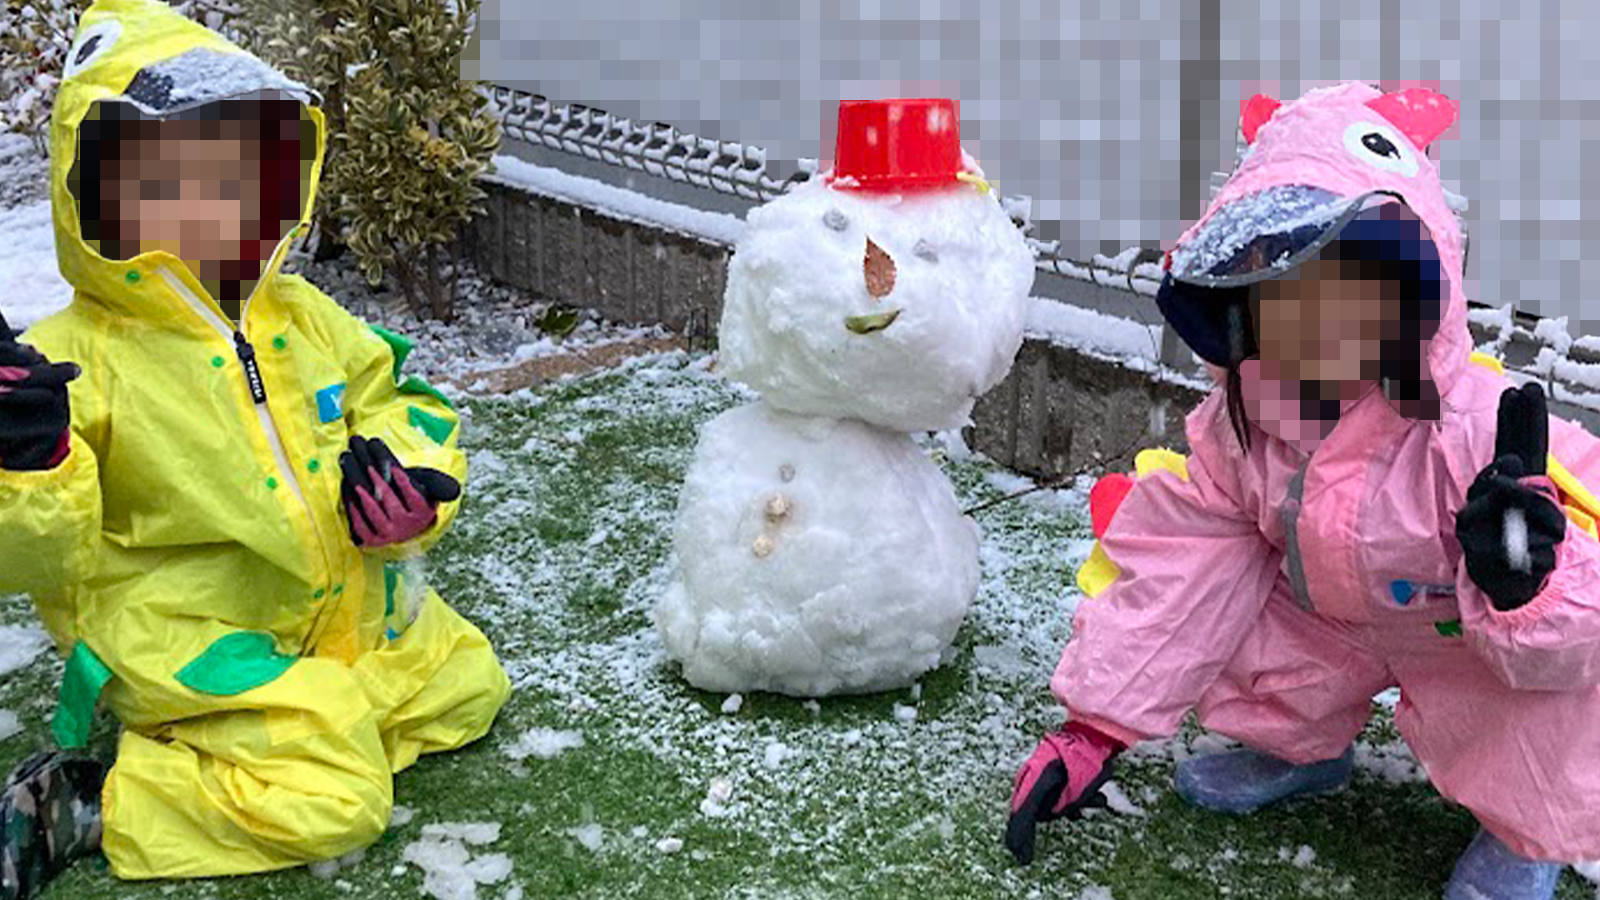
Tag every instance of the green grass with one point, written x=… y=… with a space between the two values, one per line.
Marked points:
x=559 y=555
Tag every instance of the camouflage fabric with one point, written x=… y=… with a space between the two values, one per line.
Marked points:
x=49 y=817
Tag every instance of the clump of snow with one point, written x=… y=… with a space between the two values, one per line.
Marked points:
x=544 y=743
x=1516 y=541
x=815 y=556
x=669 y=845
x=324 y=869
x=1117 y=800
x=718 y=797
x=905 y=714
x=445 y=854
x=401 y=816
x=1554 y=333
x=20 y=645
x=1301 y=858
x=732 y=705
x=1096 y=892
x=793 y=282
x=615 y=201
x=776 y=754
x=592 y=836
x=10 y=725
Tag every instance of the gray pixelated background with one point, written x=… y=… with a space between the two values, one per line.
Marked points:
x=1081 y=104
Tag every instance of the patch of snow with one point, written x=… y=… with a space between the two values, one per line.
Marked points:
x=1117 y=801
x=1086 y=329
x=616 y=201
x=490 y=869
x=905 y=714
x=476 y=833
x=34 y=286
x=1554 y=333
x=10 y=725
x=325 y=869
x=1096 y=892
x=20 y=645
x=1393 y=762
x=450 y=871
x=732 y=705
x=544 y=743
x=591 y=836
x=669 y=845
x=401 y=816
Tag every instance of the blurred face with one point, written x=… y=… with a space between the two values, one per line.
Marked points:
x=192 y=188
x=1324 y=321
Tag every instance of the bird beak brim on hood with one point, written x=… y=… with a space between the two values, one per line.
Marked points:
x=1205 y=293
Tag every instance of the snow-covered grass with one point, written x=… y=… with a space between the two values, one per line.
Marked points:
x=608 y=777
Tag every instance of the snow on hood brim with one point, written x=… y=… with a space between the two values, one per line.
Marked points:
x=201 y=76
x=1267 y=233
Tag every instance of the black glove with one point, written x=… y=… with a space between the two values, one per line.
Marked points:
x=1510 y=577
x=34 y=411
x=366 y=455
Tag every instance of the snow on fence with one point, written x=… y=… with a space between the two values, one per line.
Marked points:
x=1084 y=381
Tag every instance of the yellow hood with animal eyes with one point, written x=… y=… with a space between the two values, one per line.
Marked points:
x=143 y=53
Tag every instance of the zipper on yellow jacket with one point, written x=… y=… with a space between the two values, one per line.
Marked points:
x=263 y=411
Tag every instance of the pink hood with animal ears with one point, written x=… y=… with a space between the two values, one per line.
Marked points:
x=1325 y=140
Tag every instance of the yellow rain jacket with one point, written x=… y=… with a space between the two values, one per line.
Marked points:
x=191 y=555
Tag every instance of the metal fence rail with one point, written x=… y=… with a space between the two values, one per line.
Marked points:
x=732 y=168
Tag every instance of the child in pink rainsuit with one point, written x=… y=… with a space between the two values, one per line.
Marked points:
x=1363 y=508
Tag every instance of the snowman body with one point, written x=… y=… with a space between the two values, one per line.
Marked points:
x=819 y=551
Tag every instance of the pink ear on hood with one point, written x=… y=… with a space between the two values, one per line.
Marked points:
x=1255 y=112
x=1421 y=114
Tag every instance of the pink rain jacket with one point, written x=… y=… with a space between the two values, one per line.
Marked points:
x=1277 y=592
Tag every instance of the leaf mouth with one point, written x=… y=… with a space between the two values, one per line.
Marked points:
x=867 y=324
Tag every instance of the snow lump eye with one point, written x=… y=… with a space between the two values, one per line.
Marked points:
x=925 y=250
x=93 y=43
x=1380 y=147
x=836 y=220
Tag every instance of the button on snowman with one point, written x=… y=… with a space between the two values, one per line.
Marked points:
x=819 y=550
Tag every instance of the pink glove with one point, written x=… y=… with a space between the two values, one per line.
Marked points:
x=381 y=498
x=392 y=516
x=1061 y=779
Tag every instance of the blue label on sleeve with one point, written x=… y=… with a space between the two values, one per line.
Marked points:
x=330 y=403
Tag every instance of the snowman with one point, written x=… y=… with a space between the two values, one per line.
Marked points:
x=819 y=550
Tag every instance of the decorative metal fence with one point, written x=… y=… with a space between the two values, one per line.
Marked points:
x=737 y=169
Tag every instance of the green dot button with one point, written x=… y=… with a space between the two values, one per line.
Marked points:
x=132 y=276
x=272 y=484
x=319 y=593
x=217 y=362
x=280 y=342
x=314 y=466
x=338 y=589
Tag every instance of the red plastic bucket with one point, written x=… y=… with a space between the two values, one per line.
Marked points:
x=897 y=143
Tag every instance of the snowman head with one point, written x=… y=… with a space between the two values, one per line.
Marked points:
x=897 y=309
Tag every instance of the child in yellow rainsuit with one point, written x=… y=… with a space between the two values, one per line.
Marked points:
x=209 y=534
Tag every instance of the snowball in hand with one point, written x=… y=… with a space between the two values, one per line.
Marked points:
x=895 y=309
x=815 y=556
